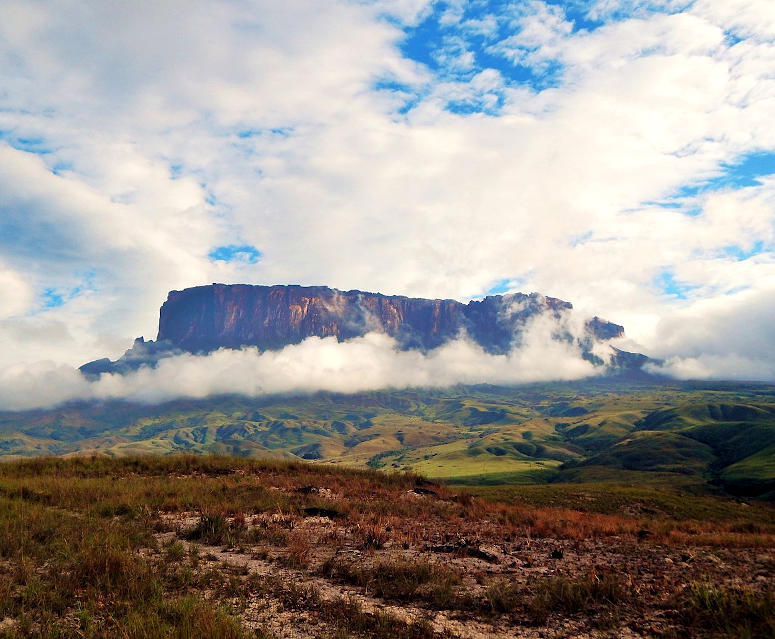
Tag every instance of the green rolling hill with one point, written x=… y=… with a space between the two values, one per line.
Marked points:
x=714 y=437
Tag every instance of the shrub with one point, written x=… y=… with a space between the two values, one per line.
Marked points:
x=214 y=529
x=735 y=611
x=399 y=579
x=567 y=596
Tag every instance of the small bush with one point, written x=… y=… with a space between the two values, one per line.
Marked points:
x=400 y=580
x=214 y=529
x=735 y=611
x=503 y=597
x=182 y=619
x=349 y=619
x=299 y=551
x=563 y=595
x=373 y=537
x=174 y=552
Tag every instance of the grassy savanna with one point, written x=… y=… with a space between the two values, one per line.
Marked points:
x=224 y=547
x=716 y=438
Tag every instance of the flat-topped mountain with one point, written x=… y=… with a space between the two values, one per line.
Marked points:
x=205 y=318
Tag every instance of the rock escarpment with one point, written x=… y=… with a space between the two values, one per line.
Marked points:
x=205 y=318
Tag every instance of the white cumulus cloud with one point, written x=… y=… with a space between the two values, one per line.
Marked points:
x=137 y=137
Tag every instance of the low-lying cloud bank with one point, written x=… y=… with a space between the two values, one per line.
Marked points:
x=366 y=363
x=730 y=337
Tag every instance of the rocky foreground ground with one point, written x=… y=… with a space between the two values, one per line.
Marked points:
x=220 y=548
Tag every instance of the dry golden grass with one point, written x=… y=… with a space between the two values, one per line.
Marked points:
x=93 y=547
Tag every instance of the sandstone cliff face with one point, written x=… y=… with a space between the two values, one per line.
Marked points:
x=205 y=318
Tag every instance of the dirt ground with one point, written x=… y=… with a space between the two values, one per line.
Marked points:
x=651 y=578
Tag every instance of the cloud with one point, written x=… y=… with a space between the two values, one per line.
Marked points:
x=136 y=140
x=17 y=295
x=745 y=18
x=729 y=337
x=371 y=362
x=540 y=28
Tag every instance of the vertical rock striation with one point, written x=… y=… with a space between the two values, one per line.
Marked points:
x=205 y=318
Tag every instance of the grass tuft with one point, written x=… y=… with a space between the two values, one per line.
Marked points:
x=737 y=612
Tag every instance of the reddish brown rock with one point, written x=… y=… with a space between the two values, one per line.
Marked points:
x=205 y=318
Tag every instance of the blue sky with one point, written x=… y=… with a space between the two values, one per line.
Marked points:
x=615 y=153
x=235 y=253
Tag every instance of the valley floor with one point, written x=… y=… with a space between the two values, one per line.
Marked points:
x=220 y=547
